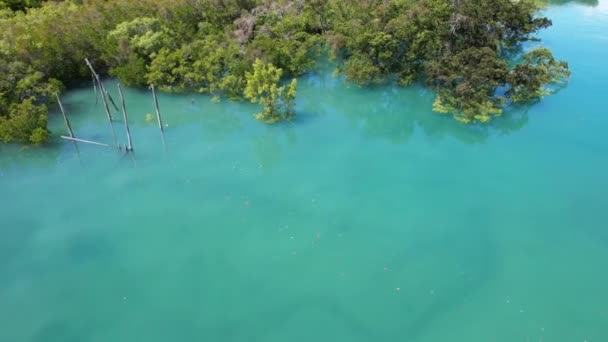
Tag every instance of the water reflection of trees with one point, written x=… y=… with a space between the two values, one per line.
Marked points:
x=395 y=114
x=34 y=157
x=268 y=148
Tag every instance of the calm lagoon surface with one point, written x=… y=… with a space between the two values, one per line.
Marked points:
x=368 y=218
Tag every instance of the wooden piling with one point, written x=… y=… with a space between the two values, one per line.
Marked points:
x=158 y=117
x=160 y=120
x=129 y=146
x=95 y=89
x=109 y=116
x=111 y=99
x=69 y=127
x=65 y=117
x=103 y=91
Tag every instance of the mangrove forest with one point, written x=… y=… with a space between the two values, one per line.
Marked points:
x=475 y=55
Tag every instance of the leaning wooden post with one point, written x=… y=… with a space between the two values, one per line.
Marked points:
x=109 y=116
x=129 y=146
x=111 y=99
x=69 y=127
x=158 y=117
x=65 y=117
x=95 y=89
x=160 y=120
x=104 y=92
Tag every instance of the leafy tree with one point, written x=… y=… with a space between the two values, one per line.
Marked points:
x=528 y=80
x=281 y=34
x=132 y=45
x=208 y=65
x=20 y=5
x=25 y=123
x=22 y=89
x=466 y=83
x=289 y=99
x=262 y=87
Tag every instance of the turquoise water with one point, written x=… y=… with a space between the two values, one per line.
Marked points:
x=369 y=218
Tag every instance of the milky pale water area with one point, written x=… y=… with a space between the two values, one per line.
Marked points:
x=368 y=218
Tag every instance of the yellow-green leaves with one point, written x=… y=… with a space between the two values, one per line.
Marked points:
x=289 y=99
x=25 y=123
x=262 y=87
x=133 y=44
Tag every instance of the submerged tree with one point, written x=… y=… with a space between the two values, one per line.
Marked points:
x=458 y=47
x=262 y=87
x=466 y=84
x=528 y=81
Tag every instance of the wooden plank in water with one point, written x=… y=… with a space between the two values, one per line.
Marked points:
x=84 y=141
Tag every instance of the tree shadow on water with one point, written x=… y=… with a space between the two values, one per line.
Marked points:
x=269 y=148
x=475 y=252
x=457 y=261
x=18 y=156
x=279 y=317
x=455 y=264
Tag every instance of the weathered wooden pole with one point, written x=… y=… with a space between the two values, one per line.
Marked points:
x=109 y=116
x=65 y=117
x=95 y=89
x=84 y=141
x=111 y=99
x=158 y=117
x=69 y=127
x=102 y=90
x=129 y=146
x=160 y=120
x=101 y=87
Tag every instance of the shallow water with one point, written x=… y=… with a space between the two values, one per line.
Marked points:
x=369 y=218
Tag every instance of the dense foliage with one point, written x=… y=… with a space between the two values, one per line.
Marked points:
x=243 y=49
